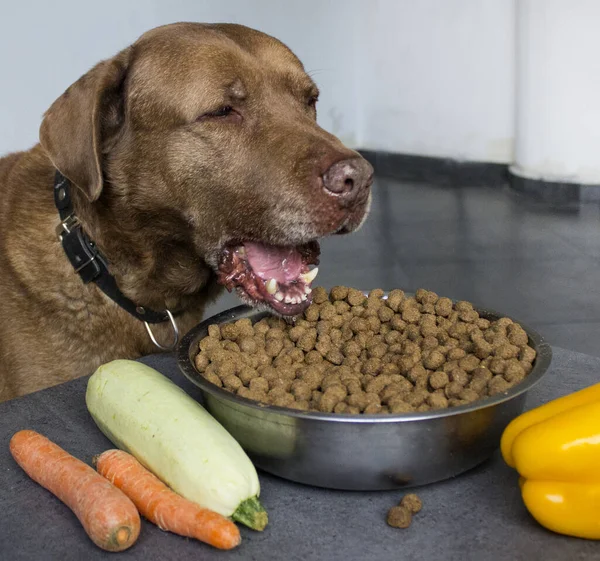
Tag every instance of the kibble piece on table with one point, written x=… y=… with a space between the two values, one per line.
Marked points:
x=399 y=517
x=412 y=502
x=357 y=354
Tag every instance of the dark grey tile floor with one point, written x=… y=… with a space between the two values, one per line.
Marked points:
x=492 y=246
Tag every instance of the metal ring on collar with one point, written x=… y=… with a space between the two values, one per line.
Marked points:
x=173 y=345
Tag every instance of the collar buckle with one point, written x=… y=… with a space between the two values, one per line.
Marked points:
x=80 y=250
x=67 y=225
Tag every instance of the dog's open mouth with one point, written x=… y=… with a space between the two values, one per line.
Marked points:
x=277 y=276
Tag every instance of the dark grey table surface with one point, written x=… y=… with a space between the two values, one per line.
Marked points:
x=478 y=516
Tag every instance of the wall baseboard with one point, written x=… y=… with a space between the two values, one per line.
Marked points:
x=449 y=172
x=554 y=191
x=439 y=171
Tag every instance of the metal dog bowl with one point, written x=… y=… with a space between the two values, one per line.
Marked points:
x=361 y=452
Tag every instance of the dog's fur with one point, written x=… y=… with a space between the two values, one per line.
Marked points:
x=159 y=190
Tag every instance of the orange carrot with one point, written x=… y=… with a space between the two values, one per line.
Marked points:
x=162 y=506
x=107 y=515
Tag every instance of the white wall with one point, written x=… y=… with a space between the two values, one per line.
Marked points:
x=558 y=93
x=45 y=46
x=438 y=78
x=429 y=77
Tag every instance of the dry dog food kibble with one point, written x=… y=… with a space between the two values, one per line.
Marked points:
x=412 y=502
x=400 y=516
x=352 y=354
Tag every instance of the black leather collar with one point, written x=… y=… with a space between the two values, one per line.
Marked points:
x=87 y=260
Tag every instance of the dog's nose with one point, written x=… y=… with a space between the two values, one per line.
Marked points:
x=348 y=178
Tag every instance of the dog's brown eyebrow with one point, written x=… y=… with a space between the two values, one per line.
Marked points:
x=312 y=91
x=236 y=89
x=302 y=85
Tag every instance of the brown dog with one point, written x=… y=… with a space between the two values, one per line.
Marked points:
x=191 y=158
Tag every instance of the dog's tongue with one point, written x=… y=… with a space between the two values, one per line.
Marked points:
x=284 y=264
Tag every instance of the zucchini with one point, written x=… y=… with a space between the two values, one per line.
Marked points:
x=144 y=413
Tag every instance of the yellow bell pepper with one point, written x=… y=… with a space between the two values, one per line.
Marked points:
x=555 y=448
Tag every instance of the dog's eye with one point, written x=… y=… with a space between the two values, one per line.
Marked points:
x=221 y=112
x=227 y=114
x=312 y=101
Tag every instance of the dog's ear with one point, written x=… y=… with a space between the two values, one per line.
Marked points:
x=83 y=121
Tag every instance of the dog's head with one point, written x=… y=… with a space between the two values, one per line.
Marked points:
x=205 y=137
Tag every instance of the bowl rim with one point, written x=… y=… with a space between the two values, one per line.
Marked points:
x=190 y=341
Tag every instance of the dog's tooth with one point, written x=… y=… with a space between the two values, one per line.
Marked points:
x=241 y=251
x=279 y=297
x=307 y=290
x=310 y=276
x=272 y=286
x=303 y=298
x=287 y=299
